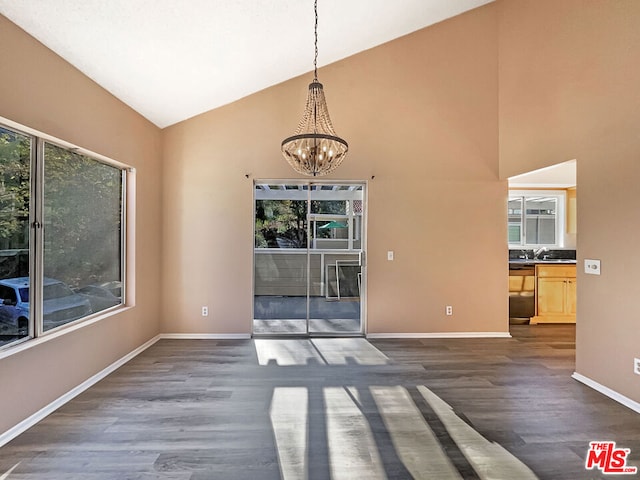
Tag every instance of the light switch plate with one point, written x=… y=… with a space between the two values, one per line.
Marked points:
x=390 y=255
x=592 y=267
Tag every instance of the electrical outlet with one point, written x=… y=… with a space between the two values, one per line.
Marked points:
x=636 y=366
x=449 y=310
x=205 y=311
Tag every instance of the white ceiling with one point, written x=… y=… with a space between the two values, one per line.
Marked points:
x=562 y=175
x=170 y=60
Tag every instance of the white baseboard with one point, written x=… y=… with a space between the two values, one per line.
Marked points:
x=205 y=336
x=612 y=394
x=29 y=422
x=442 y=335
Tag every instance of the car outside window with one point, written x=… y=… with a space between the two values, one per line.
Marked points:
x=24 y=294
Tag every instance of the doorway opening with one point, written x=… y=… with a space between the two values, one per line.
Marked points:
x=542 y=233
x=309 y=251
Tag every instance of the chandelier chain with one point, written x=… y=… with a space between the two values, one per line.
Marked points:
x=315 y=32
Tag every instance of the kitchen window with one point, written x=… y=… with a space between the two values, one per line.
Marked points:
x=536 y=218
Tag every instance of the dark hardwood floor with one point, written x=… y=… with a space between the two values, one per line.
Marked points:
x=333 y=408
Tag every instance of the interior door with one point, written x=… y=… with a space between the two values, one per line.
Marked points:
x=308 y=258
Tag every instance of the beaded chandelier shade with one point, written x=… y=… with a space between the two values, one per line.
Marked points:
x=314 y=149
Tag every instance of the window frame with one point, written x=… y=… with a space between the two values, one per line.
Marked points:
x=35 y=329
x=560 y=220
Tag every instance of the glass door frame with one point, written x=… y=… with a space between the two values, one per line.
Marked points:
x=309 y=251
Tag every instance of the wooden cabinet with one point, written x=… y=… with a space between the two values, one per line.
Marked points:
x=555 y=294
x=571 y=297
x=572 y=224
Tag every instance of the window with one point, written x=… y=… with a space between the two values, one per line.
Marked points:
x=75 y=202
x=82 y=233
x=536 y=218
x=16 y=152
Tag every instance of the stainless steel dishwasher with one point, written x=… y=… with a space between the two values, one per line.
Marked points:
x=522 y=285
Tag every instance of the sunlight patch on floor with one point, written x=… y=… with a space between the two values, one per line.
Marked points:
x=490 y=460
x=414 y=441
x=5 y=475
x=342 y=351
x=351 y=419
x=353 y=452
x=288 y=415
x=319 y=351
x=286 y=352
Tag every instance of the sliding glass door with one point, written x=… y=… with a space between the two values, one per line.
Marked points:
x=308 y=258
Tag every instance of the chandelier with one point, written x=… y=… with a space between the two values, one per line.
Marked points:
x=314 y=148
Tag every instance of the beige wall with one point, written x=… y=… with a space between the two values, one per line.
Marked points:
x=420 y=114
x=569 y=77
x=41 y=91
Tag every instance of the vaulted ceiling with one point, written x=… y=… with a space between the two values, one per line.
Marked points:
x=170 y=60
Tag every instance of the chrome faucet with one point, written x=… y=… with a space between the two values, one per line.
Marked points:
x=536 y=253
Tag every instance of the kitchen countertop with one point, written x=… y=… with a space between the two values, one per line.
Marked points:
x=531 y=261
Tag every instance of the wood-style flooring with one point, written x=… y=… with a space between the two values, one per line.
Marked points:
x=333 y=409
